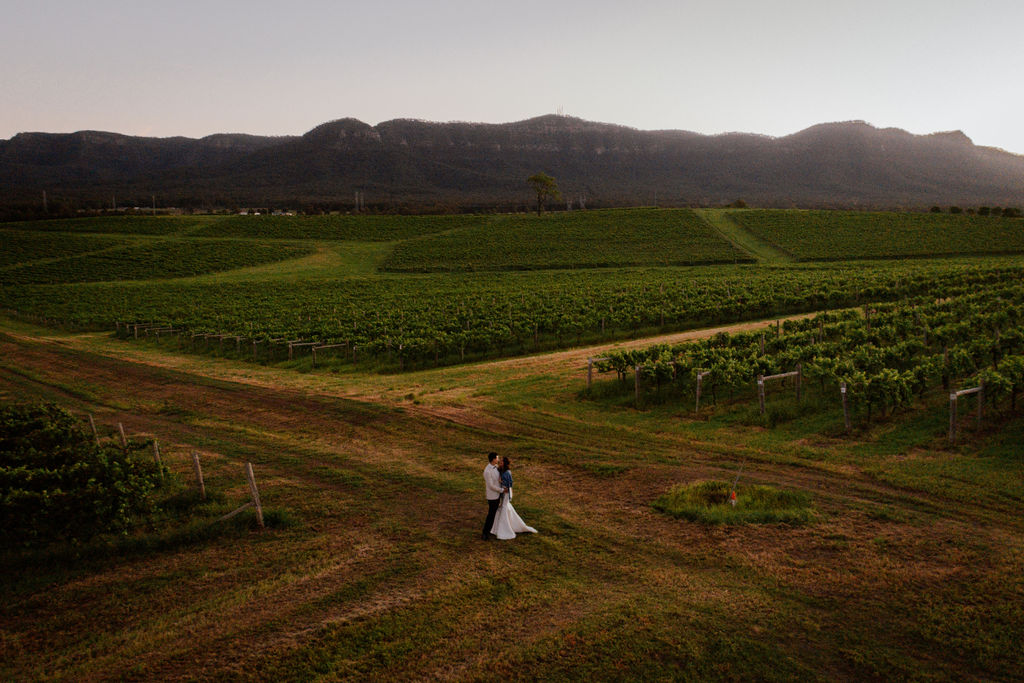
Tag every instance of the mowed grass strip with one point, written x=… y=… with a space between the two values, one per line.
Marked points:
x=839 y=235
x=577 y=239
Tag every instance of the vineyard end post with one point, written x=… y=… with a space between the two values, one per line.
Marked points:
x=255 y=493
x=636 y=385
x=846 y=409
x=199 y=474
x=952 y=418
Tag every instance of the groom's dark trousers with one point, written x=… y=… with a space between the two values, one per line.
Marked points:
x=492 y=509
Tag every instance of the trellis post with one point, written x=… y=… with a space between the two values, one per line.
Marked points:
x=636 y=384
x=846 y=410
x=156 y=457
x=199 y=474
x=701 y=374
x=124 y=439
x=760 y=391
x=255 y=493
x=95 y=434
x=952 y=418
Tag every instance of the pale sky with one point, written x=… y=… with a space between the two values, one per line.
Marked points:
x=774 y=67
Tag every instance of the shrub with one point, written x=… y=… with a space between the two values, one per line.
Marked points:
x=57 y=484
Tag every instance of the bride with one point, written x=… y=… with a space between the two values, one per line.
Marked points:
x=507 y=523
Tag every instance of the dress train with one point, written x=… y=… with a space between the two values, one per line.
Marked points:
x=507 y=522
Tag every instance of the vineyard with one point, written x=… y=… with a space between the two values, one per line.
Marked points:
x=126 y=225
x=24 y=247
x=839 y=235
x=144 y=260
x=848 y=522
x=875 y=361
x=369 y=228
x=408 y=322
x=592 y=239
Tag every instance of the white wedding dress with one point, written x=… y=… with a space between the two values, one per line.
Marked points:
x=507 y=523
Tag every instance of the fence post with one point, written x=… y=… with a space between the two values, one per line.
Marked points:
x=156 y=457
x=255 y=493
x=799 y=379
x=95 y=434
x=636 y=384
x=846 y=410
x=590 y=372
x=199 y=474
x=952 y=418
x=760 y=391
x=124 y=439
x=981 y=400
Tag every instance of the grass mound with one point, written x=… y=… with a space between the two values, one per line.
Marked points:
x=708 y=502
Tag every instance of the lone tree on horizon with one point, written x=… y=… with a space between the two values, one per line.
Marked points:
x=545 y=187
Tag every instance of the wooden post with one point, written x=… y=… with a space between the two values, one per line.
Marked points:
x=762 y=343
x=981 y=400
x=255 y=493
x=590 y=372
x=636 y=384
x=952 y=418
x=799 y=378
x=314 y=356
x=199 y=474
x=156 y=456
x=760 y=391
x=846 y=409
x=124 y=439
x=778 y=328
x=95 y=434
x=701 y=374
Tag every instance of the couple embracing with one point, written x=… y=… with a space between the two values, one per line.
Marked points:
x=502 y=520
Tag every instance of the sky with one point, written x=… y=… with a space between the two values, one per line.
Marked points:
x=772 y=67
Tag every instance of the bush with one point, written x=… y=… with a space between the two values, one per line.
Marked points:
x=708 y=502
x=57 y=484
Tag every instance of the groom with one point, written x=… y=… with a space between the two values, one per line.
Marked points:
x=492 y=486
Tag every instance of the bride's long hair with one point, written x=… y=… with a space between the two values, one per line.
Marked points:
x=506 y=464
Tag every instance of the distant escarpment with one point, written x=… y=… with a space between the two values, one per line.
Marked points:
x=409 y=163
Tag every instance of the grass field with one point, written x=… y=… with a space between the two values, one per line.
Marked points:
x=906 y=559
x=910 y=569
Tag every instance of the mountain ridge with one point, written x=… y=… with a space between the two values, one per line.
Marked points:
x=411 y=162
